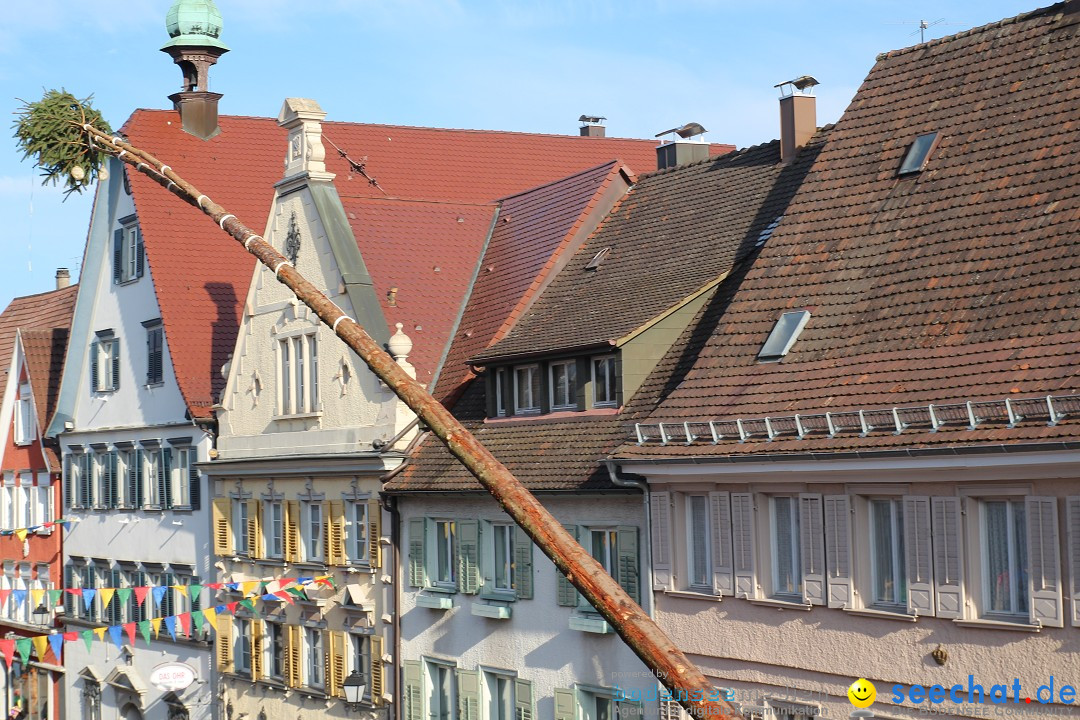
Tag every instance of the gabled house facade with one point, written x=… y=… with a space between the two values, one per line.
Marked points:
x=862 y=455
x=33 y=335
x=490 y=629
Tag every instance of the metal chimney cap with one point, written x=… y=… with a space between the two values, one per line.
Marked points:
x=686 y=131
x=594 y=119
x=803 y=85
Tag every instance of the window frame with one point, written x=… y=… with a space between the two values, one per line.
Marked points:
x=129 y=253
x=570 y=399
x=155 y=352
x=449 y=681
x=794 y=549
x=508 y=566
x=240 y=520
x=612 y=380
x=536 y=407
x=1020 y=586
x=242 y=644
x=359 y=659
x=490 y=702
x=269 y=536
x=706 y=583
x=443 y=546
x=312 y=541
x=25 y=421
x=274 y=649
x=354 y=540
x=899 y=601
x=314 y=675
x=912 y=163
x=499 y=379
x=298 y=374
x=105 y=363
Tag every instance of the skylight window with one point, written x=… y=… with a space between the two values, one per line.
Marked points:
x=783 y=335
x=918 y=153
x=598 y=258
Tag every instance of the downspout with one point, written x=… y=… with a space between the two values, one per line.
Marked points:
x=643 y=486
x=389 y=503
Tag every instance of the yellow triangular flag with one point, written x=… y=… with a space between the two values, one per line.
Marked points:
x=36 y=596
x=106 y=595
x=100 y=632
x=249 y=586
x=156 y=624
x=41 y=644
x=21 y=534
x=181 y=588
x=211 y=617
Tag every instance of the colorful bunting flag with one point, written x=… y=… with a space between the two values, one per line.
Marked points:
x=170 y=625
x=144 y=630
x=115 y=633
x=7 y=647
x=41 y=645
x=88 y=638
x=56 y=642
x=106 y=595
x=158 y=593
x=129 y=628
x=23 y=646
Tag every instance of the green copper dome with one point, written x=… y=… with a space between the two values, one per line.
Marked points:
x=194 y=23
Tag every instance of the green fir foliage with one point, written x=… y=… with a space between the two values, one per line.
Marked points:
x=51 y=131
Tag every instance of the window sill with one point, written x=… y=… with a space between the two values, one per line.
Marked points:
x=588 y=624
x=1016 y=626
x=495 y=612
x=434 y=602
x=780 y=604
x=499 y=596
x=883 y=614
x=559 y=416
x=300 y=416
x=693 y=595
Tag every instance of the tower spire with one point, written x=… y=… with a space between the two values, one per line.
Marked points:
x=194 y=30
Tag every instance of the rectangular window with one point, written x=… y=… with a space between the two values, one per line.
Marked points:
x=442 y=701
x=105 y=363
x=504 y=557
x=698 y=561
x=562 y=377
x=500 y=394
x=240 y=526
x=135 y=611
x=298 y=374
x=527 y=389
x=360 y=659
x=24 y=416
x=604 y=381
x=444 y=553
x=152 y=468
x=918 y=153
x=787 y=562
x=155 y=352
x=314 y=666
x=275 y=650
x=313 y=531
x=499 y=689
x=242 y=645
x=356 y=532
x=888 y=571
x=180 y=476
x=275 y=529
x=1005 y=558
x=127 y=252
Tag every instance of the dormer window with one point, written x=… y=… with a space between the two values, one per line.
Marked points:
x=918 y=154
x=563 y=384
x=783 y=335
x=604 y=382
x=556 y=385
x=527 y=390
x=24 y=416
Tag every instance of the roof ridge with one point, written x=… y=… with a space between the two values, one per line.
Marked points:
x=37 y=295
x=972 y=31
x=712 y=158
x=614 y=161
x=395 y=198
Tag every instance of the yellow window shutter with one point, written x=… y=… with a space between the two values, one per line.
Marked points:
x=223 y=544
x=295 y=656
x=256 y=649
x=374 y=533
x=339 y=644
x=335 y=538
x=254 y=529
x=224 y=643
x=292 y=531
x=377 y=683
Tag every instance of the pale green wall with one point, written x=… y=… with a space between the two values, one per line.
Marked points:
x=640 y=355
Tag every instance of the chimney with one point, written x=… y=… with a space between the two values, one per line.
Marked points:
x=194 y=27
x=798 y=115
x=689 y=146
x=592 y=126
x=63 y=278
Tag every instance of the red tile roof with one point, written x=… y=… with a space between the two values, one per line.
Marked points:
x=201 y=276
x=44 y=350
x=50 y=309
x=955 y=284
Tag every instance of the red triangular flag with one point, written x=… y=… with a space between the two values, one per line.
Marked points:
x=140 y=594
x=185 y=623
x=231 y=607
x=213 y=586
x=4 y=595
x=74 y=591
x=7 y=647
x=129 y=628
x=69 y=636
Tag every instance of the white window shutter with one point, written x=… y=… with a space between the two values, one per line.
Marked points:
x=948 y=570
x=812 y=548
x=1072 y=514
x=661 y=539
x=919 y=555
x=723 y=574
x=742 y=544
x=838 y=550
x=1044 y=571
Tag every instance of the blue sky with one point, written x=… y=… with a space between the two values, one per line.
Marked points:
x=527 y=66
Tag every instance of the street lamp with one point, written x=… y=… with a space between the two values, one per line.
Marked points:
x=42 y=614
x=354 y=690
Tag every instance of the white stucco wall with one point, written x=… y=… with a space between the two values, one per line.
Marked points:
x=535 y=643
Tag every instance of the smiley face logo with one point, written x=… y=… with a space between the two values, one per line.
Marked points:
x=862 y=693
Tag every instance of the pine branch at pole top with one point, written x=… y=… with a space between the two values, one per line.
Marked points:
x=636 y=628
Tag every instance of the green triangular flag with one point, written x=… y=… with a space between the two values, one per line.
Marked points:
x=124 y=594
x=249 y=603
x=88 y=637
x=24 y=649
x=197 y=619
x=297 y=591
x=144 y=630
x=195 y=591
x=54 y=597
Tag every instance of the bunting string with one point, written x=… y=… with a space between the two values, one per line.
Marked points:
x=24 y=532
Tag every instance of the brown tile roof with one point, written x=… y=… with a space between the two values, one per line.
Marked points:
x=201 y=276
x=534 y=229
x=50 y=309
x=956 y=284
x=44 y=349
x=674 y=233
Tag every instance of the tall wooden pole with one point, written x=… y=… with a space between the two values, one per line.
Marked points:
x=685 y=682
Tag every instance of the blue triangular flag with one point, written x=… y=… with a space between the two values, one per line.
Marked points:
x=170 y=625
x=303 y=580
x=233 y=586
x=18 y=597
x=56 y=640
x=159 y=593
x=88 y=597
x=220 y=609
x=115 y=633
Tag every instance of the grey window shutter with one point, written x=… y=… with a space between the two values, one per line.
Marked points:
x=118 y=254
x=523 y=700
x=139 y=493
x=722 y=569
x=523 y=564
x=812 y=548
x=468 y=548
x=1044 y=573
x=742 y=544
x=69 y=582
x=468 y=687
x=566 y=594
x=660 y=507
x=628 y=567
x=920 y=557
x=194 y=488
x=417 y=563
x=115 y=612
x=69 y=477
x=838 y=550
x=85 y=480
x=94 y=367
x=565 y=704
x=412 y=682
x=948 y=577
x=1072 y=513
x=114 y=480
x=163 y=471
x=115 y=364
x=139 y=253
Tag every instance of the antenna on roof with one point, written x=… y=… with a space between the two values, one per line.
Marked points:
x=924 y=25
x=356 y=166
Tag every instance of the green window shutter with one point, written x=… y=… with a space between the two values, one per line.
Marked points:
x=627 y=568
x=194 y=489
x=138 y=494
x=116 y=364
x=68 y=477
x=140 y=253
x=487 y=558
x=523 y=567
x=114 y=480
x=523 y=700
x=85 y=480
x=164 y=470
x=93 y=367
x=413 y=689
x=468 y=683
x=468 y=547
x=417 y=561
x=565 y=704
x=118 y=254
x=567 y=594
